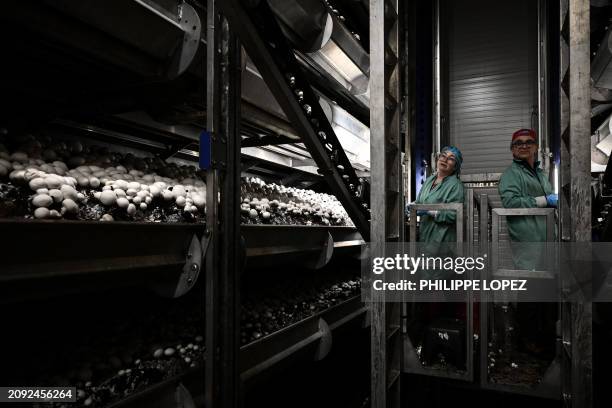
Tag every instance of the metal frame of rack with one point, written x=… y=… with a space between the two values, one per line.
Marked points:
x=387 y=198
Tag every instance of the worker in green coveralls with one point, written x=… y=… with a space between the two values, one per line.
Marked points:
x=440 y=188
x=524 y=185
x=438 y=233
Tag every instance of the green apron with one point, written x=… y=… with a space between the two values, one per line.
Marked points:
x=518 y=187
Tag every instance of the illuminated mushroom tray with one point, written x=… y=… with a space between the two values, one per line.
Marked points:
x=42 y=178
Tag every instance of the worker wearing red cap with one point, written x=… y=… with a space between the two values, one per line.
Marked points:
x=524 y=185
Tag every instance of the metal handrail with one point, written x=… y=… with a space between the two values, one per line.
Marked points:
x=496 y=214
x=457 y=207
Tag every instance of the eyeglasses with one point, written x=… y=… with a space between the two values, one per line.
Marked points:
x=446 y=157
x=523 y=143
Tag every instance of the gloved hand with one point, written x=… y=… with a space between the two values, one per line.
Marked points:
x=407 y=209
x=552 y=200
x=431 y=213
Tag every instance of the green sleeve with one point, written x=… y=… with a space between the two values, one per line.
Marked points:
x=546 y=184
x=511 y=194
x=455 y=195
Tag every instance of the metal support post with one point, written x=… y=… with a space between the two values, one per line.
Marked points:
x=386 y=194
x=575 y=196
x=223 y=258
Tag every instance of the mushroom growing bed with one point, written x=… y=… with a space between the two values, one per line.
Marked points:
x=43 y=178
x=124 y=346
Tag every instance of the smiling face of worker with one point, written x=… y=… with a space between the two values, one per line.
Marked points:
x=524 y=148
x=446 y=163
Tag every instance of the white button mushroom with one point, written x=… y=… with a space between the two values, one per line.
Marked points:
x=131 y=209
x=133 y=185
x=54 y=181
x=56 y=195
x=143 y=206
x=107 y=217
x=108 y=198
x=168 y=195
x=94 y=182
x=122 y=184
x=69 y=206
x=155 y=191
x=178 y=191
x=42 y=200
x=122 y=202
x=37 y=183
x=69 y=192
x=83 y=181
x=19 y=157
x=180 y=201
x=41 y=212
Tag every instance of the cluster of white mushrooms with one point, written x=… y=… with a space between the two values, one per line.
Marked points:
x=57 y=190
x=89 y=182
x=263 y=202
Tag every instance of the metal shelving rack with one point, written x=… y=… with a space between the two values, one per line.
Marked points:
x=171 y=255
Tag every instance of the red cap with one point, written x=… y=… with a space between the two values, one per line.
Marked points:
x=524 y=132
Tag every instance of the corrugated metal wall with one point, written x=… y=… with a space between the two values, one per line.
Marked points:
x=492 y=74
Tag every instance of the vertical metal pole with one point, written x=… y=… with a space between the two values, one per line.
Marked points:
x=575 y=193
x=211 y=390
x=437 y=92
x=543 y=85
x=378 y=202
x=580 y=184
x=387 y=209
x=223 y=259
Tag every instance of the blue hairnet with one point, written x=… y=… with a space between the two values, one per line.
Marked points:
x=458 y=157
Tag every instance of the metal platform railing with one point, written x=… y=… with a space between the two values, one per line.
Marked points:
x=549 y=385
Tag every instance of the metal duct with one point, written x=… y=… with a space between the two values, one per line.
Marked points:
x=177 y=30
x=325 y=40
x=306 y=23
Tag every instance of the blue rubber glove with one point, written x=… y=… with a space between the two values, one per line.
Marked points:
x=552 y=200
